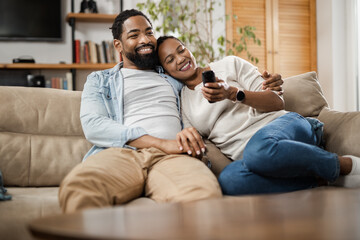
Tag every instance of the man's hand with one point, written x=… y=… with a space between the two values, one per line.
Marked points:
x=272 y=82
x=187 y=141
x=170 y=147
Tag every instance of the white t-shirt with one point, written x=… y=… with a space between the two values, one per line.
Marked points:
x=150 y=102
x=229 y=125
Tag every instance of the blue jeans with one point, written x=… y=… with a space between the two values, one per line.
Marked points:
x=282 y=156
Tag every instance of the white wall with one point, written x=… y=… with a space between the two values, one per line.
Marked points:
x=334 y=44
x=54 y=52
x=336 y=58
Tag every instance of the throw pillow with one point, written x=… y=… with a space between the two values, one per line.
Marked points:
x=303 y=94
x=341 y=131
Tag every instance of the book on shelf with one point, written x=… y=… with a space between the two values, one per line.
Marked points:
x=77 y=51
x=86 y=52
x=91 y=52
x=65 y=83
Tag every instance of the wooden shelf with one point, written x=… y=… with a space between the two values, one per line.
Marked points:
x=85 y=66
x=91 y=17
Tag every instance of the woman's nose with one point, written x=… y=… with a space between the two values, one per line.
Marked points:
x=180 y=60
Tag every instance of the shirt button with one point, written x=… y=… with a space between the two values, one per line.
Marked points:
x=115 y=98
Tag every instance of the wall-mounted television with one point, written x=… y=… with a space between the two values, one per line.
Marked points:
x=30 y=20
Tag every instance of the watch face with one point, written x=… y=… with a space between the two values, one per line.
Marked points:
x=240 y=96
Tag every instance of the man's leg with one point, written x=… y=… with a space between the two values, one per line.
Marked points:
x=113 y=176
x=180 y=178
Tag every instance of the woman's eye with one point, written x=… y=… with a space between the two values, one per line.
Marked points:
x=170 y=61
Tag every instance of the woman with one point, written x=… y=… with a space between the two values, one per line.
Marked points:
x=277 y=151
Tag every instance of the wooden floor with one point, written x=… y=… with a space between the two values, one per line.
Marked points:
x=323 y=213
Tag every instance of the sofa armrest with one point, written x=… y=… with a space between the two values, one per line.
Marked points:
x=341 y=131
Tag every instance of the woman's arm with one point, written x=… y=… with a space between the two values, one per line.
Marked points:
x=264 y=101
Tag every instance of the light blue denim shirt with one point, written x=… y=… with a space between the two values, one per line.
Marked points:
x=102 y=110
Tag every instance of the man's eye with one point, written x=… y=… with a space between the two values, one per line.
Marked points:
x=182 y=50
x=150 y=33
x=133 y=36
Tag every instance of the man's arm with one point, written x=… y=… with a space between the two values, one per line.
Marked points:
x=147 y=141
x=98 y=127
x=187 y=141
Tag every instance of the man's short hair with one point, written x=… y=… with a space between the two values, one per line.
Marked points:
x=117 y=27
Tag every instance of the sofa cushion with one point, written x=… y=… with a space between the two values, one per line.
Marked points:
x=217 y=159
x=30 y=202
x=341 y=131
x=41 y=138
x=303 y=94
x=40 y=111
x=39 y=160
x=26 y=205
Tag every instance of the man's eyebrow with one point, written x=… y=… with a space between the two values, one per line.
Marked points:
x=171 y=54
x=138 y=30
x=133 y=30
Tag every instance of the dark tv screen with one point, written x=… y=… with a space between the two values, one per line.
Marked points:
x=35 y=20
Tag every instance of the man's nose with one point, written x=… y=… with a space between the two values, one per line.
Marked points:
x=144 y=39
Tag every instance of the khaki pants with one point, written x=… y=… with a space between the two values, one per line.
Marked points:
x=119 y=175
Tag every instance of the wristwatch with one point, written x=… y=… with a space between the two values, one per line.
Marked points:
x=240 y=95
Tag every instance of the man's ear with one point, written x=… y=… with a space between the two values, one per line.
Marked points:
x=118 y=45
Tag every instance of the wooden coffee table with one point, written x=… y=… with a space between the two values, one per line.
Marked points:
x=324 y=213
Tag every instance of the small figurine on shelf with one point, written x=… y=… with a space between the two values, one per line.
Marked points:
x=92 y=6
x=88 y=6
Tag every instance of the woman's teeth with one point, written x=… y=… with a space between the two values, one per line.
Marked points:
x=185 y=67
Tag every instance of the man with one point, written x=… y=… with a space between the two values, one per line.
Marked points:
x=132 y=116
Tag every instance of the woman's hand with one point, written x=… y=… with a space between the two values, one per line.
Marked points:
x=219 y=91
x=190 y=141
x=272 y=82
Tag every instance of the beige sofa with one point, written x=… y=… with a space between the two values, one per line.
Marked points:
x=41 y=140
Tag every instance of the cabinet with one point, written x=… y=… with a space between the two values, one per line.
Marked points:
x=287 y=30
x=71 y=18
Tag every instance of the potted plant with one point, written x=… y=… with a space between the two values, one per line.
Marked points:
x=192 y=21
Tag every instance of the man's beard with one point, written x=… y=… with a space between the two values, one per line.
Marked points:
x=143 y=61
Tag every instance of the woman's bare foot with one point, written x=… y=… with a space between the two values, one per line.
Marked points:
x=345 y=165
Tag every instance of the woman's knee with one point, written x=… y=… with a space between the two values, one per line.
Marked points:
x=233 y=179
x=259 y=150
